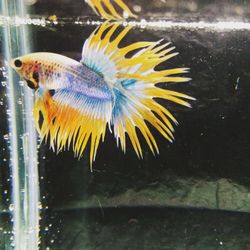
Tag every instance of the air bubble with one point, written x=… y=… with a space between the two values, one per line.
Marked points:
x=21 y=83
x=137 y=8
x=6 y=137
x=143 y=23
x=39 y=205
x=20 y=101
x=11 y=207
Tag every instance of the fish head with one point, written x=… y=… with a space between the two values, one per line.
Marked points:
x=28 y=68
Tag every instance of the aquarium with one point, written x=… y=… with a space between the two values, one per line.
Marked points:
x=194 y=194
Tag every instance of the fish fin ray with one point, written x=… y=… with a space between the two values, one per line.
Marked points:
x=134 y=84
x=72 y=120
x=107 y=10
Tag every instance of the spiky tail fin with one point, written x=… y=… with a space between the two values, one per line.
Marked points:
x=107 y=10
x=133 y=81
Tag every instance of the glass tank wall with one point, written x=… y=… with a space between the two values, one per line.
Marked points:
x=194 y=195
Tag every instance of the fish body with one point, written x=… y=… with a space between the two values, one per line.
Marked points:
x=76 y=101
x=54 y=71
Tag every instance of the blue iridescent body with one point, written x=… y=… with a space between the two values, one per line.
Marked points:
x=83 y=81
x=74 y=84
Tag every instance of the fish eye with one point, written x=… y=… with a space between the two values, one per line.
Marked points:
x=18 y=63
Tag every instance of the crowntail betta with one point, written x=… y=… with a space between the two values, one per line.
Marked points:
x=77 y=101
x=108 y=9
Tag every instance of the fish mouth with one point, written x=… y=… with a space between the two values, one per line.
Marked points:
x=11 y=63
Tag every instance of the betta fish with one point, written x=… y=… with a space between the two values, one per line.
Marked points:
x=107 y=10
x=112 y=86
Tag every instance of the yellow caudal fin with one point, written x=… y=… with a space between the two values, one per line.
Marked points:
x=133 y=80
x=111 y=9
